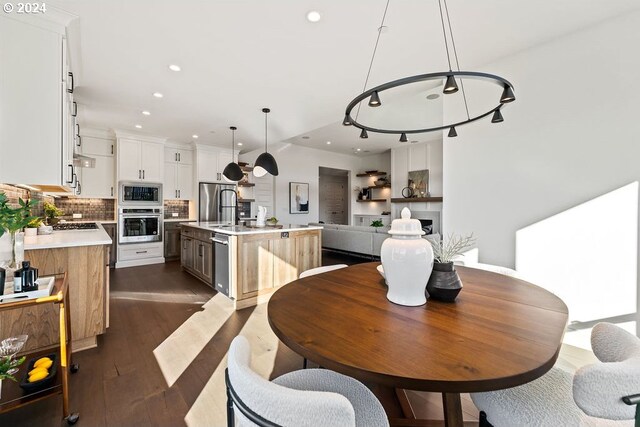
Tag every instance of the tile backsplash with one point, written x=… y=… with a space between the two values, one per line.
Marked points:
x=14 y=193
x=181 y=207
x=91 y=209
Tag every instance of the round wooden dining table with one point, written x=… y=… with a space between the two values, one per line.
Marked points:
x=500 y=332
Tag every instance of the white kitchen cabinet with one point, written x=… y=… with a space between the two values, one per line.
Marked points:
x=185 y=181
x=99 y=182
x=140 y=159
x=178 y=181
x=32 y=97
x=178 y=155
x=211 y=162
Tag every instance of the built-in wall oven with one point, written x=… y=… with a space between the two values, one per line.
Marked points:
x=139 y=225
x=140 y=194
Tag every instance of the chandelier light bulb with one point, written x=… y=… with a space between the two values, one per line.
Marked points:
x=403 y=137
x=364 y=134
x=507 y=95
x=450 y=86
x=497 y=117
x=347 y=120
x=452 y=132
x=374 y=101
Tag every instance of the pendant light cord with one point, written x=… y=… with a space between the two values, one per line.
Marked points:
x=373 y=56
x=455 y=51
x=233 y=144
x=444 y=34
x=265 y=132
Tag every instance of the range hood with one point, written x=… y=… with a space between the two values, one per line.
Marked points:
x=82 y=161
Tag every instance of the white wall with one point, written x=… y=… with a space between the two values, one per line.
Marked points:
x=301 y=164
x=570 y=137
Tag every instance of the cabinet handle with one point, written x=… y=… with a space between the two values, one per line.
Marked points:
x=139 y=173
x=73 y=85
x=74 y=180
x=75 y=109
x=79 y=144
x=142 y=173
x=141 y=252
x=175 y=156
x=179 y=157
x=112 y=149
x=178 y=194
x=79 y=192
x=200 y=250
x=72 y=173
x=111 y=191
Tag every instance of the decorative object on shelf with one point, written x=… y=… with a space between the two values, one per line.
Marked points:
x=13 y=220
x=232 y=171
x=8 y=363
x=450 y=87
x=377 y=223
x=265 y=163
x=261 y=217
x=359 y=191
x=444 y=283
x=380 y=181
x=407 y=260
x=51 y=213
x=419 y=182
x=298 y=198
x=40 y=373
x=44 y=230
x=272 y=221
x=407 y=192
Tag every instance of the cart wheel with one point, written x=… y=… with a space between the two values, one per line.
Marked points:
x=73 y=418
x=75 y=368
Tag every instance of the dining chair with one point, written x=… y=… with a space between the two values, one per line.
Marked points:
x=305 y=398
x=313 y=272
x=598 y=394
x=318 y=270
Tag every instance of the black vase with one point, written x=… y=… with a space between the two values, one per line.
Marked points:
x=444 y=283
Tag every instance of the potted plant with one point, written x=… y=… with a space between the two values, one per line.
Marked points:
x=51 y=213
x=272 y=221
x=13 y=220
x=32 y=228
x=444 y=283
x=377 y=223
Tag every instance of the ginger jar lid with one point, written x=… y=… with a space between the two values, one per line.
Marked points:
x=405 y=226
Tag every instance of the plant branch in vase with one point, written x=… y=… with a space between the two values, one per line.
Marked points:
x=444 y=283
x=13 y=220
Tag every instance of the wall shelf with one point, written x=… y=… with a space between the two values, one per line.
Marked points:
x=246 y=184
x=380 y=186
x=416 y=200
x=372 y=174
x=371 y=200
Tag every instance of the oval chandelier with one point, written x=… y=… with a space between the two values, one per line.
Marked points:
x=450 y=78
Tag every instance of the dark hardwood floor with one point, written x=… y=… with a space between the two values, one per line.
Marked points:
x=120 y=382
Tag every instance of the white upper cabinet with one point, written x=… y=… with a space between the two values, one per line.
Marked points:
x=140 y=158
x=211 y=162
x=178 y=173
x=32 y=97
x=100 y=181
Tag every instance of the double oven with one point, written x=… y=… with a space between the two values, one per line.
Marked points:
x=140 y=213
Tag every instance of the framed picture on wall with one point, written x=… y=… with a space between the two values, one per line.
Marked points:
x=419 y=183
x=299 y=197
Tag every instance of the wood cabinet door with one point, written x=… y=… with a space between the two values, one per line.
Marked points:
x=308 y=251
x=255 y=271
x=184 y=181
x=186 y=257
x=285 y=267
x=129 y=162
x=172 y=248
x=99 y=182
x=152 y=161
x=206 y=257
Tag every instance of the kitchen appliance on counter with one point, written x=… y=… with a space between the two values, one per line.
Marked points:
x=140 y=194
x=218 y=203
x=139 y=225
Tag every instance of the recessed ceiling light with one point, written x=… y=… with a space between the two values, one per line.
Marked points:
x=433 y=96
x=174 y=67
x=328 y=142
x=240 y=144
x=357 y=149
x=138 y=126
x=158 y=94
x=194 y=136
x=313 y=16
x=146 y=113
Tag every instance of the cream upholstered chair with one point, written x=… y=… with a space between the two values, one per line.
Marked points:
x=599 y=394
x=311 y=397
x=318 y=270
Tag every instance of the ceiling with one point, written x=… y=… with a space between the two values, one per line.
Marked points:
x=238 y=56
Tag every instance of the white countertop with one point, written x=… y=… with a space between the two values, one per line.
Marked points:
x=234 y=230
x=179 y=220
x=68 y=239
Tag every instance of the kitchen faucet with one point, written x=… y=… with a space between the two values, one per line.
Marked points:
x=234 y=206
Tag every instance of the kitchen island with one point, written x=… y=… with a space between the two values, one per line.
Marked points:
x=248 y=263
x=84 y=256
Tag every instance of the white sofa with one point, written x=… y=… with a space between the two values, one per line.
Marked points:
x=354 y=239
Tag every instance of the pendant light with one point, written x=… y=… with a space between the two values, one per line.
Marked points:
x=232 y=172
x=265 y=163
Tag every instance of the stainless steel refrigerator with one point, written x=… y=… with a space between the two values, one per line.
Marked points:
x=218 y=202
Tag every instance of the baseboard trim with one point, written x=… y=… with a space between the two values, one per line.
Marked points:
x=138 y=262
x=353 y=254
